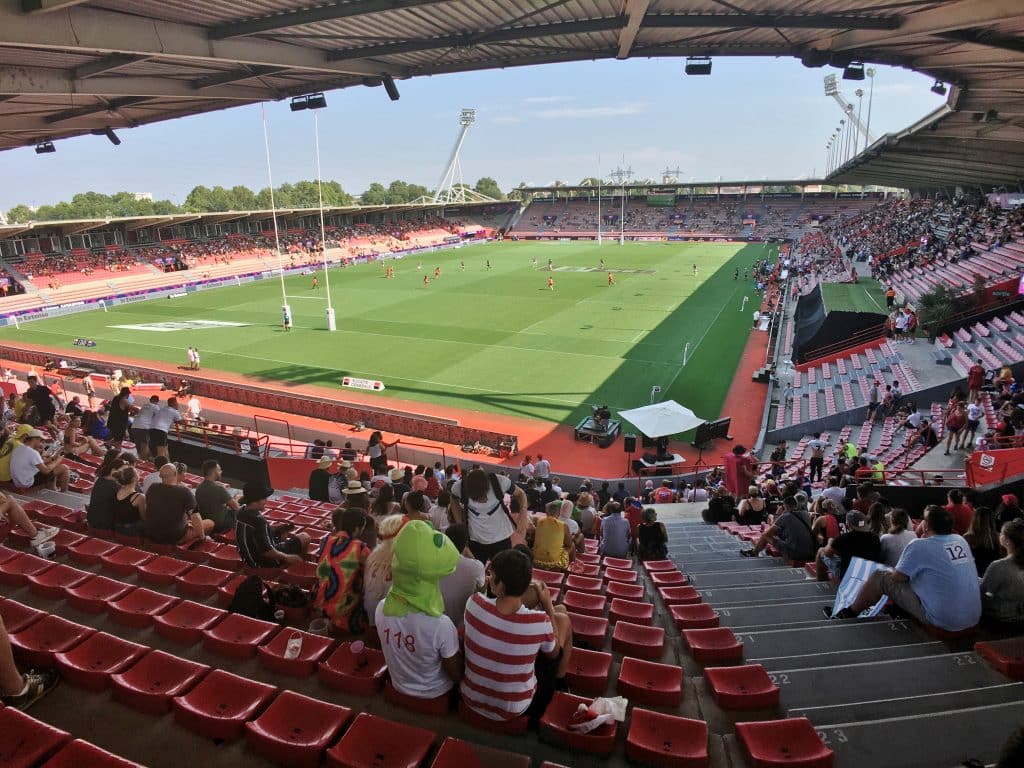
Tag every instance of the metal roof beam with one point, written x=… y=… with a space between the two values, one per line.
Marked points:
x=111 y=106
x=635 y=12
x=106 y=64
x=44 y=6
x=986 y=38
x=235 y=76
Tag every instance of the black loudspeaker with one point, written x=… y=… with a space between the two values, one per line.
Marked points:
x=629 y=443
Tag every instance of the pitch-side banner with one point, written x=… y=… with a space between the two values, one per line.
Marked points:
x=989 y=469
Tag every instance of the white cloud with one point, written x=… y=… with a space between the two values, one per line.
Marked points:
x=576 y=113
x=546 y=99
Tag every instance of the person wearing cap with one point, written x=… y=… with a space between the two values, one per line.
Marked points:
x=858 y=541
x=259 y=545
x=29 y=469
x=320 y=479
x=171 y=516
x=213 y=501
x=1008 y=509
x=398 y=483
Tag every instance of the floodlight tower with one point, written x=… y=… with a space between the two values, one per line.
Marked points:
x=451 y=188
x=832 y=89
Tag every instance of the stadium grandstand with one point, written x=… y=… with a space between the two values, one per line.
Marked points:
x=482 y=530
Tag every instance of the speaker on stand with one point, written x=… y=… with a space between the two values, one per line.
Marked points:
x=629 y=447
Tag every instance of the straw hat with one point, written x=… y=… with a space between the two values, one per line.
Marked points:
x=353 y=487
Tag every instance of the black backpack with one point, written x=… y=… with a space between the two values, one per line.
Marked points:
x=253 y=599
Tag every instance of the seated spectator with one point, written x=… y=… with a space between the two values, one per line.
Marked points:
x=377 y=580
x=17 y=690
x=666 y=494
x=983 y=539
x=827 y=520
x=503 y=640
x=99 y=511
x=961 y=511
x=433 y=486
x=834 y=492
x=652 y=538
x=648 y=494
x=1008 y=509
x=616 y=535
x=552 y=541
x=697 y=493
x=11 y=511
x=895 y=540
x=339 y=574
x=752 y=509
x=213 y=501
x=29 y=468
x=439 y=511
x=858 y=541
x=75 y=443
x=721 y=507
x=154 y=477
x=171 y=516
x=467 y=578
x=1002 y=588
x=416 y=505
x=319 y=480
x=866 y=496
x=934 y=581
x=565 y=515
x=585 y=514
x=420 y=643
x=790 y=534
x=129 y=505
x=260 y=545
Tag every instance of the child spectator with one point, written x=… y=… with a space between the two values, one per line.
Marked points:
x=465 y=580
x=339 y=573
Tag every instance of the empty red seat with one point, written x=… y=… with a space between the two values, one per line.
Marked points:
x=551 y=578
x=197 y=551
x=585 y=603
x=583 y=584
x=125 y=561
x=679 y=595
x=313 y=648
x=668 y=579
x=743 y=687
x=589 y=559
x=24 y=741
x=585 y=569
x=712 y=646
x=201 y=581
x=666 y=741
x=439 y=706
x=638 y=641
x=589 y=630
x=373 y=742
x=625 y=591
x=792 y=743
x=1005 y=655
x=300 y=574
x=645 y=682
x=15 y=571
x=17 y=616
x=6 y=553
x=554 y=727
x=186 y=621
x=90 y=664
x=295 y=729
x=83 y=754
x=456 y=753
x=345 y=671
x=50 y=583
x=65 y=539
x=515 y=726
x=140 y=606
x=588 y=671
x=591 y=545
x=617 y=562
x=92 y=595
x=659 y=565
x=225 y=556
x=151 y=684
x=626 y=610
x=219 y=706
x=226 y=593
x=696 y=616
x=162 y=571
x=36 y=644
x=620 y=574
x=238 y=636
x=90 y=550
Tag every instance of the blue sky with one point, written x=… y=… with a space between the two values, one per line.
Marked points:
x=751 y=119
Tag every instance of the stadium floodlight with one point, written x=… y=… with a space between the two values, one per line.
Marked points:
x=698 y=65
x=109 y=133
x=299 y=103
x=854 y=71
x=45 y=148
x=316 y=101
x=389 y=86
x=939 y=89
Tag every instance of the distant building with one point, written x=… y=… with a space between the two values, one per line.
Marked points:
x=147 y=196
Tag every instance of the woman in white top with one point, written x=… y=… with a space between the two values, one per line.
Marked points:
x=526 y=469
x=900 y=534
x=478 y=500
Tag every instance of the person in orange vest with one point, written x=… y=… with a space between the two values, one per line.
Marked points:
x=665 y=494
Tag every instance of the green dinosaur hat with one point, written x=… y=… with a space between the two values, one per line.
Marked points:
x=422 y=557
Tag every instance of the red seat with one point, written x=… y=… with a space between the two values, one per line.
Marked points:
x=186 y=621
x=295 y=729
x=589 y=559
x=711 y=646
x=792 y=743
x=626 y=610
x=585 y=569
x=138 y=607
x=439 y=706
x=584 y=584
x=226 y=593
x=666 y=741
x=679 y=595
x=585 y=603
x=696 y=616
x=17 y=616
x=590 y=630
x=238 y=636
x=90 y=663
x=15 y=572
x=197 y=551
x=50 y=583
x=300 y=574
x=551 y=578
x=620 y=574
x=219 y=706
x=37 y=643
x=554 y=727
x=151 y=684
x=515 y=726
x=90 y=550
x=668 y=579
x=343 y=671
x=659 y=565
x=83 y=754
x=226 y=557
x=625 y=591
x=1005 y=655
x=588 y=671
x=201 y=581
x=24 y=741
x=638 y=641
x=742 y=687
x=373 y=742
x=591 y=545
x=65 y=539
x=125 y=561
x=93 y=594
x=456 y=753
x=313 y=649
x=162 y=571
x=617 y=562
x=645 y=682
x=6 y=553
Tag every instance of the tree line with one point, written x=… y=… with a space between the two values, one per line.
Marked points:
x=202 y=199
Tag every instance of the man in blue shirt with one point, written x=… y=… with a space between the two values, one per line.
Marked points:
x=615 y=532
x=935 y=580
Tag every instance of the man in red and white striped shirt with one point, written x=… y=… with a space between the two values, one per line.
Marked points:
x=503 y=638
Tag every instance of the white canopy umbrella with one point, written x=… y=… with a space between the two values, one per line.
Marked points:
x=660 y=419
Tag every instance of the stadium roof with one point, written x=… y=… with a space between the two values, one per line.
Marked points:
x=72 y=67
